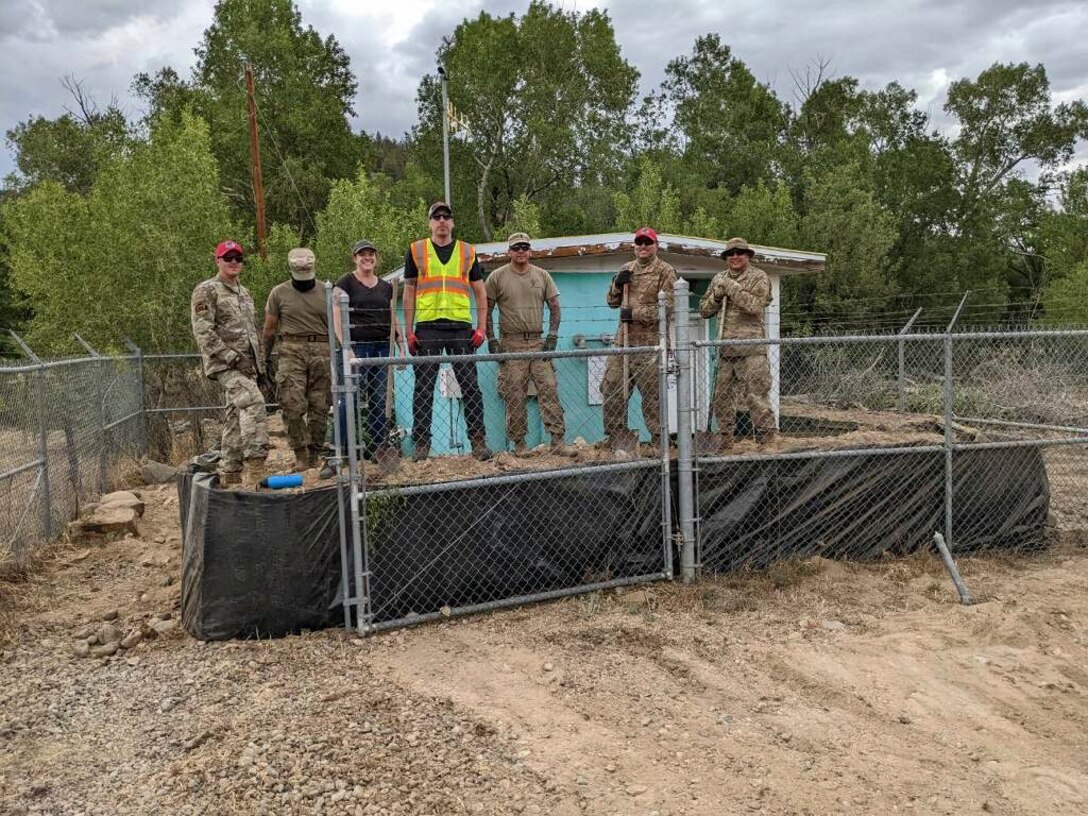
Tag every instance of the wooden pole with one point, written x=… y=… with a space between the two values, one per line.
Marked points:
x=255 y=164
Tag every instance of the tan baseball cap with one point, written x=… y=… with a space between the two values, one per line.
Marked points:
x=301 y=261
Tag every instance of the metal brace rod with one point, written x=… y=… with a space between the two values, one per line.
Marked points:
x=86 y=345
x=27 y=350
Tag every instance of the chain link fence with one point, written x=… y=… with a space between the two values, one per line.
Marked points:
x=888 y=445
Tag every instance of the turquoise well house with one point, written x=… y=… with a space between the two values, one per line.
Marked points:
x=582 y=267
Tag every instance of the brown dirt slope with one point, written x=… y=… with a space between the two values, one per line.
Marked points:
x=814 y=688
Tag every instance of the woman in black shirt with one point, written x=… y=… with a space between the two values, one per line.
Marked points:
x=369 y=300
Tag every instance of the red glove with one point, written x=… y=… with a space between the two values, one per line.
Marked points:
x=413 y=343
x=477 y=338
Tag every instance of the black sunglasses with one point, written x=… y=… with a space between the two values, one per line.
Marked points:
x=520 y=248
x=441 y=217
x=643 y=242
x=734 y=252
x=234 y=259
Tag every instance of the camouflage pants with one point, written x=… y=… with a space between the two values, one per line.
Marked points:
x=244 y=432
x=302 y=382
x=641 y=374
x=743 y=382
x=514 y=376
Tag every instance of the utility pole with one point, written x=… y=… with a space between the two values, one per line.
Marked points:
x=255 y=164
x=445 y=134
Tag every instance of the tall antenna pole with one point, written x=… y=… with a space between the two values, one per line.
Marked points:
x=255 y=164
x=445 y=134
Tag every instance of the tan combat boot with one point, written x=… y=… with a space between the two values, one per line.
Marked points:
x=766 y=437
x=520 y=448
x=480 y=450
x=252 y=472
x=229 y=478
x=302 y=459
x=421 y=451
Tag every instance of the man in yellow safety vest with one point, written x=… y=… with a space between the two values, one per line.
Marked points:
x=441 y=278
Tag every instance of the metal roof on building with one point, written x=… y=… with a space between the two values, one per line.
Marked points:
x=699 y=256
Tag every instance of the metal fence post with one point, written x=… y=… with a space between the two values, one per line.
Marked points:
x=684 y=464
x=948 y=443
x=43 y=437
x=103 y=448
x=901 y=403
x=336 y=373
x=357 y=498
x=663 y=422
x=141 y=387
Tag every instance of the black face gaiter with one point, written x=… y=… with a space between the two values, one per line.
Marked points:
x=303 y=286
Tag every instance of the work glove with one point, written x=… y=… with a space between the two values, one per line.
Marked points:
x=413 y=343
x=478 y=338
x=246 y=365
x=627 y=315
x=494 y=345
x=623 y=278
x=550 y=341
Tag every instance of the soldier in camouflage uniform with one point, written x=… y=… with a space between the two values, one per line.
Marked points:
x=295 y=312
x=223 y=319
x=646 y=276
x=738 y=295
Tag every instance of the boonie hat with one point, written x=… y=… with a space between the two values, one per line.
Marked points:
x=517 y=238
x=438 y=206
x=301 y=261
x=359 y=246
x=737 y=243
x=646 y=232
x=228 y=246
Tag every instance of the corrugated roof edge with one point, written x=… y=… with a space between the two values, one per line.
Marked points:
x=791 y=261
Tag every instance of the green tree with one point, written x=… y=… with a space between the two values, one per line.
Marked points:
x=304 y=89
x=364 y=208
x=101 y=265
x=650 y=203
x=540 y=103
x=70 y=149
x=764 y=214
x=727 y=125
x=524 y=218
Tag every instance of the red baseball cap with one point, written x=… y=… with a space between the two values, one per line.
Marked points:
x=228 y=246
x=646 y=232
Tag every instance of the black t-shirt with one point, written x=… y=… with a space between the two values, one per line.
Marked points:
x=444 y=253
x=369 y=308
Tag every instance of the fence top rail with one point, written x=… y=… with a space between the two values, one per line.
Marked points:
x=29 y=367
x=614 y=351
x=847 y=339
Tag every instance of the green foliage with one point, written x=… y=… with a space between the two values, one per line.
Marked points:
x=67 y=150
x=764 y=214
x=304 y=89
x=730 y=125
x=525 y=218
x=540 y=101
x=103 y=265
x=652 y=202
x=363 y=208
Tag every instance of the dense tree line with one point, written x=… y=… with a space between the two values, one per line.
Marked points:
x=548 y=135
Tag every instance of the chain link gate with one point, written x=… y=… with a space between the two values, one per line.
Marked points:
x=434 y=549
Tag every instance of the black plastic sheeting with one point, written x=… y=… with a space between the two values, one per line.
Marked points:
x=266 y=564
x=257 y=564
x=859 y=507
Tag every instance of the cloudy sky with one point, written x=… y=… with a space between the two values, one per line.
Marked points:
x=923 y=44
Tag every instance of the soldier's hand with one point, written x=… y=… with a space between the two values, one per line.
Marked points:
x=550 y=342
x=247 y=365
x=623 y=278
x=727 y=288
x=494 y=345
x=627 y=314
x=478 y=338
x=413 y=343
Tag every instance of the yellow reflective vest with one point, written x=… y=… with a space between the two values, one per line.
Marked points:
x=442 y=289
